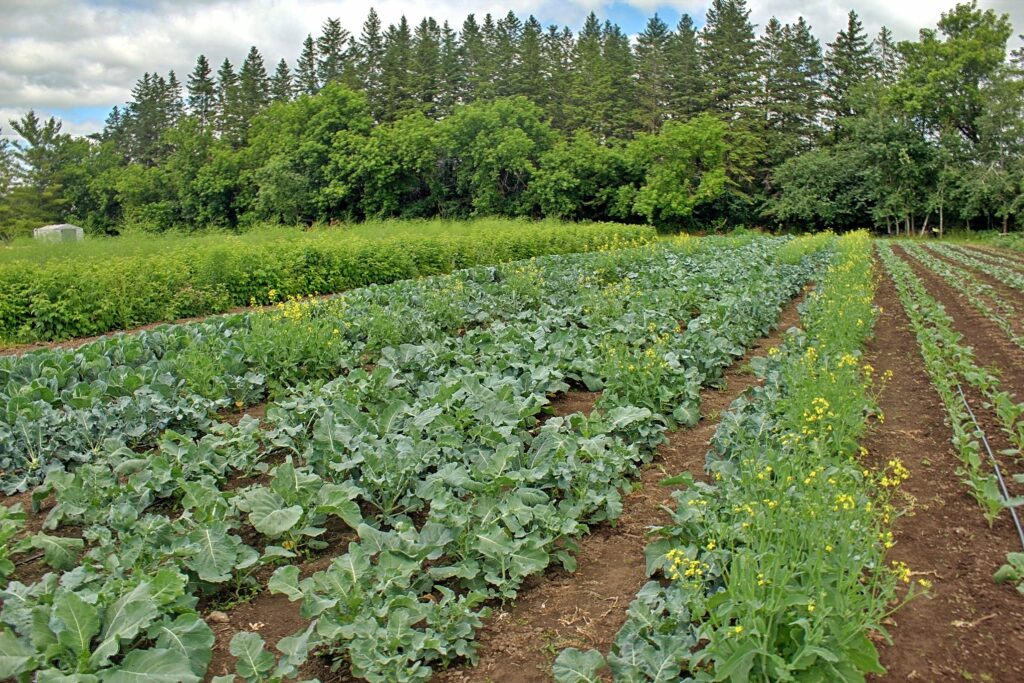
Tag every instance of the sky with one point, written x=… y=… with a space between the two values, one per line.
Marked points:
x=76 y=60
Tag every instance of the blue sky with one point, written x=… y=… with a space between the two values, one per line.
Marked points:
x=76 y=59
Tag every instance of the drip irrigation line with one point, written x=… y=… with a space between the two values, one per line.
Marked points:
x=995 y=464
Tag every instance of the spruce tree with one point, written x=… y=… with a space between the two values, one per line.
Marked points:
x=528 y=75
x=370 y=51
x=396 y=75
x=202 y=93
x=504 y=53
x=621 y=114
x=425 y=66
x=282 y=87
x=452 y=76
x=728 y=57
x=653 y=79
x=791 y=72
x=474 y=59
x=590 y=88
x=253 y=86
x=332 y=62
x=306 y=79
x=557 y=49
x=687 y=95
x=848 y=63
x=229 y=120
x=886 y=57
x=174 y=99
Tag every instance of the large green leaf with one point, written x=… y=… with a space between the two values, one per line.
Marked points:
x=268 y=513
x=15 y=656
x=58 y=552
x=81 y=622
x=188 y=635
x=253 y=660
x=576 y=666
x=125 y=618
x=157 y=665
x=215 y=554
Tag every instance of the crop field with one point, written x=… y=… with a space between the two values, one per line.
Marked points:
x=56 y=292
x=606 y=457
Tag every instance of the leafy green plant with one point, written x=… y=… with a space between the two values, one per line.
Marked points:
x=294 y=507
x=1012 y=571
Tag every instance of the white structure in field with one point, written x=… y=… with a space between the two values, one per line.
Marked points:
x=65 y=232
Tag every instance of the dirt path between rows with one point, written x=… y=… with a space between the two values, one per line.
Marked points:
x=586 y=609
x=969 y=628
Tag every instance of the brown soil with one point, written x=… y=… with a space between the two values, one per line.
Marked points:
x=586 y=609
x=233 y=417
x=968 y=628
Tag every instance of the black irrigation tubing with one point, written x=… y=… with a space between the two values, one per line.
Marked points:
x=995 y=464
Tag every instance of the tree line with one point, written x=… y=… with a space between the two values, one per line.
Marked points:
x=683 y=128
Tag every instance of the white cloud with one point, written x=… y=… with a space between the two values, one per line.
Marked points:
x=63 y=54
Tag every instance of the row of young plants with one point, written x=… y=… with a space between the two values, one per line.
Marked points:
x=980 y=295
x=79 y=296
x=970 y=257
x=775 y=569
x=1002 y=258
x=949 y=363
x=438 y=465
x=61 y=406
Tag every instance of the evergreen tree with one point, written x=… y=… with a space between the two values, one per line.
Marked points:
x=590 y=88
x=528 y=74
x=474 y=60
x=848 y=64
x=504 y=54
x=728 y=57
x=452 y=76
x=886 y=57
x=396 y=73
x=229 y=120
x=686 y=82
x=332 y=62
x=306 y=79
x=791 y=72
x=253 y=86
x=147 y=117
x=557 y=49
x=202 y=93
x=370 y=51
x=653 y=76
x=175 y=101
x=621 y=114
x=425 y=66
x=282 y=87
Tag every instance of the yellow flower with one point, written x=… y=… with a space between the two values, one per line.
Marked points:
x=811 y=606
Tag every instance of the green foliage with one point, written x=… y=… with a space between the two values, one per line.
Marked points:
x=45 y=297
x=756 y=577
x=685 y=166
x=424 y=421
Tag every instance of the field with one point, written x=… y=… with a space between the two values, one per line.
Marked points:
x=723 y=458
x=57 y=292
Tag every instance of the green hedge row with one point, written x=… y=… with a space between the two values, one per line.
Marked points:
x=67 y=298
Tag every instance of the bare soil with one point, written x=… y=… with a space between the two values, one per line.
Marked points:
x=968 y=628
